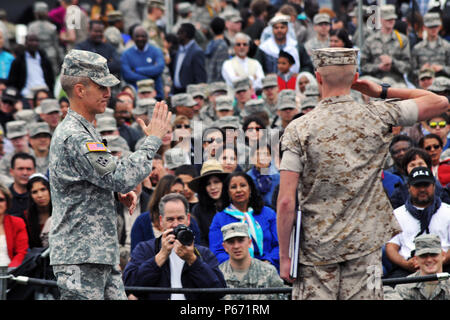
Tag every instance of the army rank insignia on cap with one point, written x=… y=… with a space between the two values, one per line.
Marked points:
x=95 y=146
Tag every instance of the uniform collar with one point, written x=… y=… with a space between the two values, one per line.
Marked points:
x=337 y=99
x=88 y=125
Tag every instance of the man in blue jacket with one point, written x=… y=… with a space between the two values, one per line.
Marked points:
x=166 y=262
x=143 y=61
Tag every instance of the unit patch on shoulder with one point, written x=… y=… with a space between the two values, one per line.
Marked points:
x=95 y=146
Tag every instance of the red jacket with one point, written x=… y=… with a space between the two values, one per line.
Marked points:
x=16 y=239
x=290 y=84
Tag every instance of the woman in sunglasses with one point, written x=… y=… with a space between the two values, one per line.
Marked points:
x=13 y=233
x=440 y=126
x=182 y=134
x=432 y=144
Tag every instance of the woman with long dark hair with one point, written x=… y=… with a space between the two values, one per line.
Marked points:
x=39 y=210
x=241 y=202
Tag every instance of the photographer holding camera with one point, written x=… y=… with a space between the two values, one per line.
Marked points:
x=172 y=260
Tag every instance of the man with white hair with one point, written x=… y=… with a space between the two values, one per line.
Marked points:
x=241 y=65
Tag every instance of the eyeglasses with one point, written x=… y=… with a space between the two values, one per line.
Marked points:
x=240 y=44
x=217 y=140
x=180 y=126
x=2 y=199
x=435 y=147
x=253 y=129
x=434 y=124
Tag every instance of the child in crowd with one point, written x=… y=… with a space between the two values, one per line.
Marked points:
x=286 y=79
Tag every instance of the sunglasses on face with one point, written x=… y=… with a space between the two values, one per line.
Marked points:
x=253 y=129
x=435 y=147
x=180 y=126
x=434 y=124
x=2 y=199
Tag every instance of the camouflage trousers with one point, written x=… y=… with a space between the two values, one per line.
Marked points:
x=357 y=279
x=89 y=282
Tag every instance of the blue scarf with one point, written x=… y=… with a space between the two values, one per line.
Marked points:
x=263 y=181
x=425 y=215
x=254 y=229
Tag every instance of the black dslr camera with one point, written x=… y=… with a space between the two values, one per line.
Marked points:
x=184 y=234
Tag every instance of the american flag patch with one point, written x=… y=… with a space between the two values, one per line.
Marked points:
x=95 y=146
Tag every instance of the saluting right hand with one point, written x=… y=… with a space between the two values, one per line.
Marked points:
x=160 y=123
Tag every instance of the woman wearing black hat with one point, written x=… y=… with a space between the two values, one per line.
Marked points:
x=208 y=187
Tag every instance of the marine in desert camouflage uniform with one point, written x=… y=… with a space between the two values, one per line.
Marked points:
x=332 y=158
x=84 y=177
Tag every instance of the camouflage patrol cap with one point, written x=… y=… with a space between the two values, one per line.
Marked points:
x=156 y=3
x=270 y=80
x=49 y=106
x=40 y=6
x=196 y=90
x=108 y=113
x=387 y=12
x=440 y=84
x=16 y=129
x=309 y=102
x=235 y=229
x=224 y=103
x=116 y=143
x=27 y=115
x=38 y=128
x=81 y=63
x=114 y=16
x=241 y=84
x=227 y=122
x=113 y=36
x=106 y=124
x=311 y=90
x=176 y=157
x=146 y=85
x=427 y=243
x=426 y=73
x=286 y=102
x=254 y=106
x=321 y=18
x=334 y=57
x=184 y=7
x=218 y=86
x=432 y=19
x=144 y=106
x=183 y=99
x=287 y=93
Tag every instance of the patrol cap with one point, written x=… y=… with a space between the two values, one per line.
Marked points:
x=286 y=102
x=309 y=102
x=227 y=122
x=432 y=19
x=156 y=3
x=81 y=63
x=426 y=73
x=113 y=36
x=106 y=124
x=49 y=106
x=270 y=80
x=16 y=129
x=254 y=106
x=40 y=6
x=334 y=57
x=388 y=12
x=146 y=85
x=311 y=90
x=236 y=17
x=427 y=243
x=184 y=8
x=116 y=143
x=145 y=106
x=224 y=103
x=440 y=84
x=10 y=94
x=27 y=115
x=218 y=86
x=287 y=93
x=114 y=16
x=183 y=99
x=321 y=18
x=108 y=113
x=420 y=175
x=196 y=90
x=38 y=128
x=176 y=157
x=241 y=84
x=281 y=18
x=235 y=229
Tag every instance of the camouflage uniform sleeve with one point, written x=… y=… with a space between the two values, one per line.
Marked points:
x=394 y=113
x=402 y=62
x=292 y=158
x=102 y=169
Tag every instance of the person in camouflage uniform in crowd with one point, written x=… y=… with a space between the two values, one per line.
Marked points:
x=386 y=52
x=85 y=179
x=433 y=52
x=47 y=34
x=243 y=271
x=332 y=159
x=155 y=12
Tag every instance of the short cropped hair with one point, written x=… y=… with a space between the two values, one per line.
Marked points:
x=172 y=197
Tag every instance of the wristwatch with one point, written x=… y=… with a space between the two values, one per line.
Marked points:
x=384 y=88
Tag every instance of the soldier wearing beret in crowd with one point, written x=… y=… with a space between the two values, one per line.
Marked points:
x=334 y=157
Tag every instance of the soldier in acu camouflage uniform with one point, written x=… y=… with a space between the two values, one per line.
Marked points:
x=433 y=52
x=242 y=271
x=155 y=12
x=85 y=178
x=334 y=157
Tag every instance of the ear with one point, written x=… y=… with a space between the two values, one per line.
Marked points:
x=355 y=77
x=318 y=77
x=188 y=221
x=79 y=90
